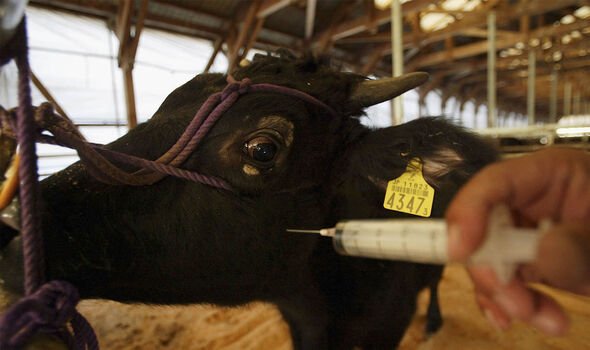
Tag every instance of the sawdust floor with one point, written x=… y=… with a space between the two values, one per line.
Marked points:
x=259 y=326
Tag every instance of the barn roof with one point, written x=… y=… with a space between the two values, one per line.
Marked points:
x=447 y=38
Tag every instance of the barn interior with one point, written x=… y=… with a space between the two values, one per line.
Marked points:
x=514 y=71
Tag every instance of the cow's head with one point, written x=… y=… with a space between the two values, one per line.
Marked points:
x=179 y=241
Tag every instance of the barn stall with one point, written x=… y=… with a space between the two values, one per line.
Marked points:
x=526 y=93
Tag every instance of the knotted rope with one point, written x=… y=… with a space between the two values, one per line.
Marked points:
x=47 y=310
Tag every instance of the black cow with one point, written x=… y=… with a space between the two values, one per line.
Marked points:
x=292 y=165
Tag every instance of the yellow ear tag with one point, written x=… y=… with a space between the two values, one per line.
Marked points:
x=410 y=193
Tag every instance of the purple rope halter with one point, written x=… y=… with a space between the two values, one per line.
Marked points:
x=48 y=307
x=97 y=158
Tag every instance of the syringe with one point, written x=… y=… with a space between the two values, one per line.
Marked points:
x=425 y=241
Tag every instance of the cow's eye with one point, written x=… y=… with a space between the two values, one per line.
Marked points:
x=261 y=148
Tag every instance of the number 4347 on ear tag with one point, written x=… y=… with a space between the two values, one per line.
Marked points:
x=410 y=193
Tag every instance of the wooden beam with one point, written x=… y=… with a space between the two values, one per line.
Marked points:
x=502 y=43
x=122 y=29
x=474 y=19
x=365 y=23
x=231 y=38
x=381 y=17
x=371 y=16
x=106 y=10
x=243 y=32
x=128 y=43
x=373 y=60
x=324 y=40
x=216 y=48
x=45 y=92
x=443 y=11
x=508 y=77
x=483 y=33
x=252 y=37
x=472 y=67
x=139 y=23
x=416 y=28
x=271 y=6
x=130 y=97
x=449 y=46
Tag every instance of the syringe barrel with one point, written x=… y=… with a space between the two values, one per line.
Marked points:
x=419 y=240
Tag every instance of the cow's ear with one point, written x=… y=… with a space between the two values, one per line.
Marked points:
x=448 y=153
x=440 y=162
x=436 y=167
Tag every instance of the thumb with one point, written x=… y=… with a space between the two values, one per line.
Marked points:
x=563 y=258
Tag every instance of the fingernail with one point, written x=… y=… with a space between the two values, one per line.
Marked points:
x=548 y=325
x=494 y=321
x=454 y=241
x=507 y=304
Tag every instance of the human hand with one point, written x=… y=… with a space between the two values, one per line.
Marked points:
x=550 y=184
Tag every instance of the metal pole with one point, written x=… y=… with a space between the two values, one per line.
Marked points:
x=567 y=98
x=531 y=87
x=553 y=98
x=492 y=69
x=397 y=60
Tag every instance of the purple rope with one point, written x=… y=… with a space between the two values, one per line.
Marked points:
x=46 y=307
x=96 y=157
x=32 y=239
x=47 y=311
x=167 y=169
x=205 y=118
x=197 y=130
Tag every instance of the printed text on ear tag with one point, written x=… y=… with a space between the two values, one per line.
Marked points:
x=410 y=193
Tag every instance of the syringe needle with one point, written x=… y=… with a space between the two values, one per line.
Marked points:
x=303 y=231
x=329 y=232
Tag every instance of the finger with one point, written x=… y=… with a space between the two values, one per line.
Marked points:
x=495 y=316
x=515 y=299
x=468 y=215
x=549 y=317
x=534 y=186
x=501 y=304
x=563 y=258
